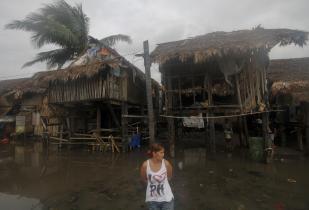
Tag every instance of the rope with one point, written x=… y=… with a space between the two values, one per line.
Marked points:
x=222 y=116
x=134 y=116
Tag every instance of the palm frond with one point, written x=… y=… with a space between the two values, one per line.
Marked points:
x=52 y=58
x=112 y=40
x=63 y=25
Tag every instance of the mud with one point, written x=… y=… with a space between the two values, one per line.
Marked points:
x=32 y=178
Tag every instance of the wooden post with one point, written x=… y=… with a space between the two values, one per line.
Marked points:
x=246 y=131
x=307 y=127
x=113 y=114
x=241 y=138
x=98 y=119
x=124 y=125
x=240 y=121
x=193 y=84
x=179 y=94
x=282 y=128
x=212 y=133
x=147 y=64
x=300 y=138
x=170 y=121
x=179 y=127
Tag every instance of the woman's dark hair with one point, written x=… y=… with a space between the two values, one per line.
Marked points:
x=155 y=147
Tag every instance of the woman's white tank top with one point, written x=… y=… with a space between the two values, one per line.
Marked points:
x=158 y=188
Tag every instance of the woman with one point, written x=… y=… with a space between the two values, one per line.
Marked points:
x=156 y=172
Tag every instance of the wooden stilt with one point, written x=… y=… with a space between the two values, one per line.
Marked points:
x=98 y=120
x=245 y=131
x=241 y=122
x=281 y=116
x=307 y=127
x=240 y=132
x=113 y=114
x=179 y=125
x=170 y=121
x=212 y=131
x=124 y=126
x=300 y=138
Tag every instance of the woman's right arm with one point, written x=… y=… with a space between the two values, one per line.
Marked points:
x=143 y=172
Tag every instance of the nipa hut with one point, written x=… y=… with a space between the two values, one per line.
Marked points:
x=220 y=73
x=19 y=97
x=84 y=103
x=93 y=98
x=289 y=87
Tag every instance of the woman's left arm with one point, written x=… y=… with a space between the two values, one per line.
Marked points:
x=169 y=169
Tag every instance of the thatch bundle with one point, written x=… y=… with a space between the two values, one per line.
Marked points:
x=290 y=76
x=70 y=73
x=220 y=44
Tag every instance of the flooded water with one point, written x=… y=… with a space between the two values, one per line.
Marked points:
x=32 y=178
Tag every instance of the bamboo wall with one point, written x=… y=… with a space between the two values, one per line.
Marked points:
x=101 y=87
x=86 y=89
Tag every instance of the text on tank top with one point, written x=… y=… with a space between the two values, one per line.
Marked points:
x=158 y=187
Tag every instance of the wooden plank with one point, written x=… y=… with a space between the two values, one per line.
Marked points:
x=82 y=138
x=114 y=117
x=58 y=139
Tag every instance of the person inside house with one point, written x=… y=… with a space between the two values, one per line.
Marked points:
x=228 y=132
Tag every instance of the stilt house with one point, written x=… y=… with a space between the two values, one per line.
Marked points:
x=289 y=91
x=220 y=73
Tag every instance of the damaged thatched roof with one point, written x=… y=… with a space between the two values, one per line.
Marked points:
x=39 y=82
x=290 y=76
x=219 y=44
x=11 y=86
x=8 y=85
x=88 y=70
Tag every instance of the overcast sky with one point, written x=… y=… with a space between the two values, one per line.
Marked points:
x=154 y=20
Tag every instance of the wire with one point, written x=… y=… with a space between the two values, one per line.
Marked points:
x=222 y=116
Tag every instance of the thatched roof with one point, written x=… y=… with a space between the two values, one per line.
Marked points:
x=39 y=82
x=86 y=70
x=220 y=44
x=23 y=84
x=8 y=85
x=290 y=76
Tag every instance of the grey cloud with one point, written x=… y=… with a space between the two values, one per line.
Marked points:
x=158 y=21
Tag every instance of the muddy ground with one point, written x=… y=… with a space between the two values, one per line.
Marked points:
x=31 y=179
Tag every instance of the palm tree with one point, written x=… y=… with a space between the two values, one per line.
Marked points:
x=64 y=26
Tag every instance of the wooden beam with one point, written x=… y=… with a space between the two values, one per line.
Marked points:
x=212 y=132
x=98 y=118
x=193 y=84
x=112 y=112
x=179 y=93
x=307 y=127
x=170 y=121
x=124 y=126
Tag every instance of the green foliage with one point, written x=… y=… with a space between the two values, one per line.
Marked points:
x=64 y=26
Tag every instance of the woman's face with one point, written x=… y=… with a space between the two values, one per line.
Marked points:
x=158 y=155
